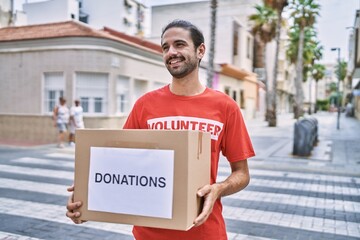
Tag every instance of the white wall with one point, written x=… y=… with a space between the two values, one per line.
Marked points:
x=51 y=11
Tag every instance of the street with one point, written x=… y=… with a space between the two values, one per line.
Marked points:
x=289 y=197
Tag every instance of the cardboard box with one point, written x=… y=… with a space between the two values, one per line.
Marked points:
x=189 y=164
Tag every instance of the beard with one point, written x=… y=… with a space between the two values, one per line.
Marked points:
x=186 y=67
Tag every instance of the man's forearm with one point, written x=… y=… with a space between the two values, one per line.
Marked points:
x=238 y=179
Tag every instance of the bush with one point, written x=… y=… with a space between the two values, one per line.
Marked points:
x=323 y=105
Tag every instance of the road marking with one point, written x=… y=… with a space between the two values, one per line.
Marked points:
x=37 y=172
x=34 y=186
x=54 y=213
x=61 y=155
x=47 y=162
x=289 y=220
x=301 y=201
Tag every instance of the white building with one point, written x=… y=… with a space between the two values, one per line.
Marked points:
x=51 y=11
x=128 y=16
x=234 y=42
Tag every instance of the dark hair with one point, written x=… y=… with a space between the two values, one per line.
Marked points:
x=196 y=35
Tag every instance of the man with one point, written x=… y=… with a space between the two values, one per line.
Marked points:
x=187 y=99
x=76 y=120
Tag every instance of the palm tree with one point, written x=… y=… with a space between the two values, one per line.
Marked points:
x=210 y=73
x=264 y=29
x=317 y=73
x=341 y=70
x=304 y=13
x=278 y=6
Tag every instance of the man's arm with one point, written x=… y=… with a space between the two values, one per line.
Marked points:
x=238 y=180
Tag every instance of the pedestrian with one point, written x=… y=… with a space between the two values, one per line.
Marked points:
x=61 y=119
x=187 y=99
x=76 y=120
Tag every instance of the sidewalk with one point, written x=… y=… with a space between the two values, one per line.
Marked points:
x=338 y=151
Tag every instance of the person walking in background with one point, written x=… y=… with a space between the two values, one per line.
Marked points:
x=186 y=99
x=76 y=121
x=61 y=119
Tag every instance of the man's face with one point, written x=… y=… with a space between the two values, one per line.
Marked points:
x=179 y=54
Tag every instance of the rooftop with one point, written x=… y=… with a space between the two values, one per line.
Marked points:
x=72 y=29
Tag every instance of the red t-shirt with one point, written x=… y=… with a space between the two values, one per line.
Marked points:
x=211 y=111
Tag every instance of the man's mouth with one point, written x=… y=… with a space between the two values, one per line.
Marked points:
x=174 y=61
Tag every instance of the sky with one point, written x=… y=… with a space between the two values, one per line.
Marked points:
x=335 y=17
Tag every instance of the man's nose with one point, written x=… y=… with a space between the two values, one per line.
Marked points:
x=172 y=50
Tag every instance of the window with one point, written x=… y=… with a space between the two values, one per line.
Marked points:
x=234 y=96
x=140 y=88
x=54 y=85
x=123 y=94
x=242 y=99
x=227 y=91
x=249 y=48
x=235 y=42
x=92 y=90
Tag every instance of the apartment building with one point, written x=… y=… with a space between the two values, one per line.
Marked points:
x=105 y=69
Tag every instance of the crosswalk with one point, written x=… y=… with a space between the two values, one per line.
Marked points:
x=276 y=204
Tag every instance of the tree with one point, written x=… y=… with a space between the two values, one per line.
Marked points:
x=304 y=13
x=210 y=72
x=264 y=28
x=278 y=6
x=340 y=70
x=317 y=73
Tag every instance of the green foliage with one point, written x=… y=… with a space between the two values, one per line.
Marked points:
x=318 y=71
x=333 y=87
x=264 y=21
x=323 y=105
x=312 y=49
x=304 y=12
x=340 y=70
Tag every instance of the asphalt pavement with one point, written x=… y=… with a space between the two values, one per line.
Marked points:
x=289 y=197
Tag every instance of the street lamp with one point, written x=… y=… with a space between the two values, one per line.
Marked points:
x=338 y=88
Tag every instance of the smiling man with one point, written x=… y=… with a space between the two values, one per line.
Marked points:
x=186 y=104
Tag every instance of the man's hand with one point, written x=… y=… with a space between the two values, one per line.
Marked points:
x=72 y=207
x=210 y=194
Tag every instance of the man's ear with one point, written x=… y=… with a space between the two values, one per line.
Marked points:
x=201 y=51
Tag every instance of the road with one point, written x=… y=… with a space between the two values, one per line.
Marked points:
x=288 y=197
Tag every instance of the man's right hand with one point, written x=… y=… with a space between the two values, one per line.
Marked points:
x=72 y=207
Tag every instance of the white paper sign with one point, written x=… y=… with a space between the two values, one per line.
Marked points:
x=131 y=181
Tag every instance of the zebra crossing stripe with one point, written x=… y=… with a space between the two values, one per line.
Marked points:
x=37 y=172
x=225 y=170
x=289 y=220
x=46 y=162
x=53 y=213
x=309 y=187
x=301 y=201
x=34 y=186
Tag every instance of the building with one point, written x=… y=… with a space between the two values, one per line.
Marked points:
x=51 y=11
x=233 y=45
x=353 y=78
x=128 y=16
x=106 y=69
x=102 y=68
